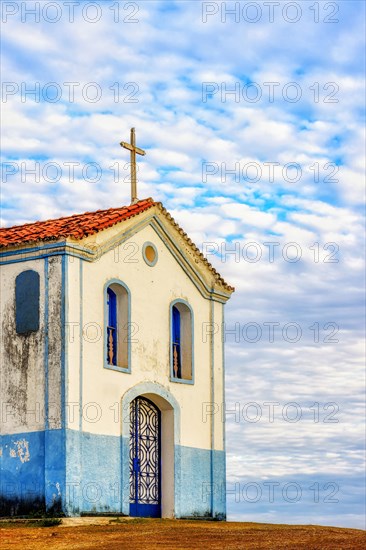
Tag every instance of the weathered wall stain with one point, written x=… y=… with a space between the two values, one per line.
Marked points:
x=22 y=450
x=20 y=355
x=54 y=342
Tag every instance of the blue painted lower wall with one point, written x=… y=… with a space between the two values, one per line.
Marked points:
x=200 y=489
x=93 y=473
x=71 y=472
x=32 y=472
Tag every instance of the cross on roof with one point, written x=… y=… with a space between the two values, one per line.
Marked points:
x=133 y=149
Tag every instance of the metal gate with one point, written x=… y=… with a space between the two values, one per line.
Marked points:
x=145 y=491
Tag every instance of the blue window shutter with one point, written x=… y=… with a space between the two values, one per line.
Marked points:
x=177 y=360
x=112 y=325
x=112 y=308
x=176 y=325
x=27 y=302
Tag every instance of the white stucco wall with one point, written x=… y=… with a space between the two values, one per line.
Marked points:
x=152 y=290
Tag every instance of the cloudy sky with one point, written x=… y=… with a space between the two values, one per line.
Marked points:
x=251 y=114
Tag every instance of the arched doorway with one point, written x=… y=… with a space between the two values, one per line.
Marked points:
x=170 y=470
x=145 y=463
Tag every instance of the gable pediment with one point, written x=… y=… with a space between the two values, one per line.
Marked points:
x=187 y=255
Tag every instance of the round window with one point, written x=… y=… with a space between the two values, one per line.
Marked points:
x=150 y=254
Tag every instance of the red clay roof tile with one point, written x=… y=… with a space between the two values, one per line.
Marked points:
x=76 y=226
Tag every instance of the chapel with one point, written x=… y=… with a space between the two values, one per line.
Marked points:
x=112 y=366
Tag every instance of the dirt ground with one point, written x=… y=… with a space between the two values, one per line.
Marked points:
x=146 y=534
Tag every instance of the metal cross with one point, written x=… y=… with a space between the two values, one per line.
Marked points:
x=132 y=147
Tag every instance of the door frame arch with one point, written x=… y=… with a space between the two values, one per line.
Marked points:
x=170 y=445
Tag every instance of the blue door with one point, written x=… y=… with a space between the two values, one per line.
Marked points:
x=145 y=486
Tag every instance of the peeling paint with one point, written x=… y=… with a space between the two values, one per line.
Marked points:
x=23 y=450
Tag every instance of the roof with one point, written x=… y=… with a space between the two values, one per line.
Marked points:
x=79 y=226
x=76 y=226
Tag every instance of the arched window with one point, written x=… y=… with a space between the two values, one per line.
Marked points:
x=112 y=327
x=27 y=302
x=117 y=339
x=181 y=342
